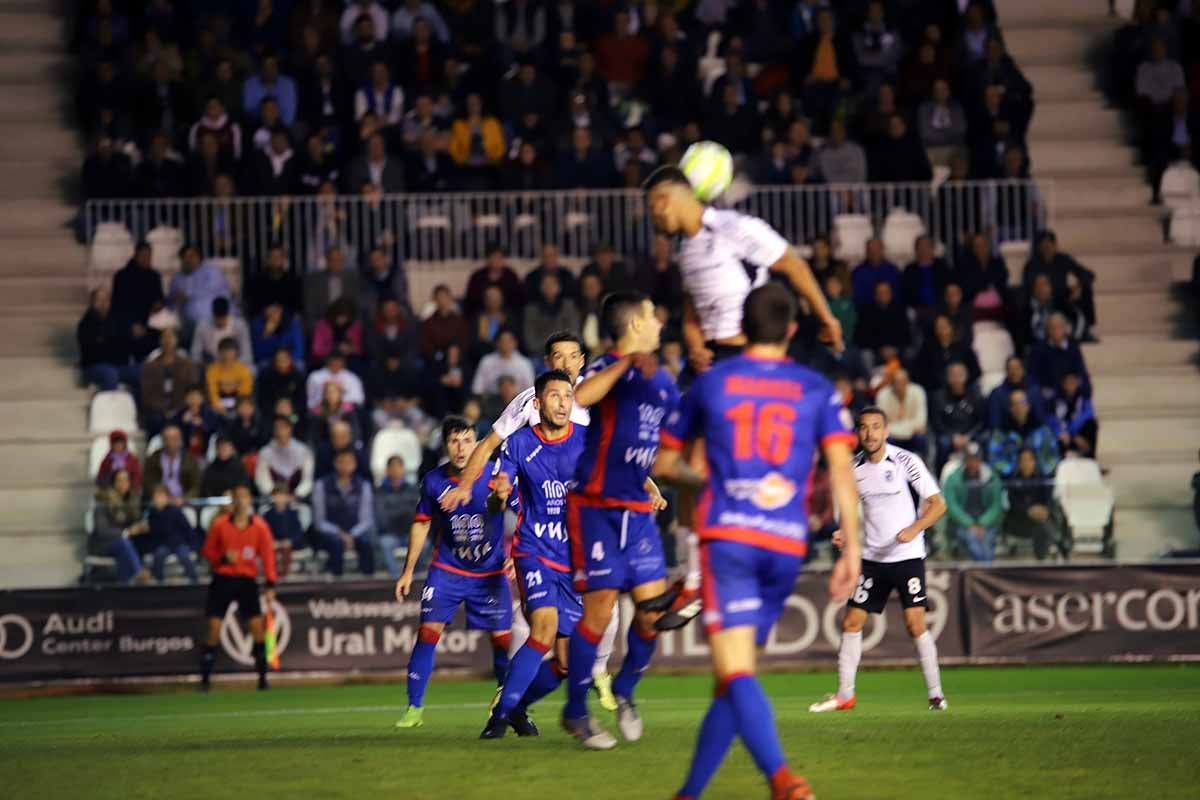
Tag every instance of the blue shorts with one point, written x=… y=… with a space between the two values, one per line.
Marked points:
x=488 y=599
x=614 y=548
x=745 y=585
x=542 y=586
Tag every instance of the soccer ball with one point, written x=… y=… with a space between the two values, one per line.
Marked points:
x=709 y=168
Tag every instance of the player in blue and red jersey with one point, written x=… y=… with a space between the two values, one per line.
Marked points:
x=763 y=417
x=468 y=567
x=538 y=462
x=615 y=542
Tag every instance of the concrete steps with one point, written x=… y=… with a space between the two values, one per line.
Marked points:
x=32 y=508
x=1152 y=486
x=26 y=377
x=1173 y=388
x=33 y=219
x=1134 y=230
x=58 y=291
x=1055 y=82
x=1084 y=193
x=41 y=557
x=1142 y=534
x=1117 y=352
x=1063 y=41
x=1174 y=435
x=50 y=420
x=27 y=463
x=1072 y=156
x=1083 y=118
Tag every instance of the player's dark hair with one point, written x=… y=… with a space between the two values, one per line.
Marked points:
x=454 y=424
x=549 y=377
x=618 y=309
x=767 y=313
x=871 y=410
x=668 y=173
x=559 y=337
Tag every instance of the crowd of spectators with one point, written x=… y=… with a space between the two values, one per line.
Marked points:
x=305 y=96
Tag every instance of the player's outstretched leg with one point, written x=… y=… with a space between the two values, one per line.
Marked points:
x=601 y=680
x=717 y=732
x=522 y=670
x=914 y=620
x=849 y=655
x=420 y=668
x=585 y=641
x=641 y=644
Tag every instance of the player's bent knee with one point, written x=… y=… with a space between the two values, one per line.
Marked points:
x=644 y=622
x=855 y=621
x=430 y=633
x=501 y=640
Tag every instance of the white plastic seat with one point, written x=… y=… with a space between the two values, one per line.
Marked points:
x=851 y=232
x=433 y=222
x=96 y=454
x=989 y=381
x=488 y=221
x=395 y=442
x=1180 y=185
x=900 y=232
x=111 y=248
x=993 y=346
x=155 y=444
x=111 y=411
x=1185 y=226
x=1087 y=502
x=576 y=219
x=165 y=243
x=1015 y=253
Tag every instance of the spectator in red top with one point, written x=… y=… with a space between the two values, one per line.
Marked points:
x=445 y=327
x=236 y=542
x=620 y=55
x=119 y=457
x=494 y=273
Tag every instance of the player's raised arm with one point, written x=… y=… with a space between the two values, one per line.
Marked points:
x=480 y=456
x=800 y=275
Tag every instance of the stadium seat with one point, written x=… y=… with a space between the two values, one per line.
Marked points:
x=851 y=232
x=1180 y=185
x=993 y=345
x=900 y=232
x=96 y=456
x=154 y=444
x=1015 y=253
x=989 y=381
x=112 y=247
x=111 y=411
x=489 y=221
x=395 y=442
x=165 y=243
x=1185 y=226
x=711 y=65
x=1087 y=503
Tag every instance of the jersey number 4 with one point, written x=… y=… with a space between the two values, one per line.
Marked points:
x=766 y=431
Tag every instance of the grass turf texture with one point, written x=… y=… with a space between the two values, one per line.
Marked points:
x=1038 y=732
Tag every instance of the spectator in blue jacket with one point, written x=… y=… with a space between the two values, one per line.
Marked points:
x=195 y=286
x=1021 y=430
x=1048 y=361
x=1015 y=377
x=170 y=534
x=275 y=328
x=344 y=515
x=395 y=505
x=269 y=83
x=872 y=270
x=1073 y=419
x=284 y=522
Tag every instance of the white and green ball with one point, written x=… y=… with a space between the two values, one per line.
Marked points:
x=709 y=168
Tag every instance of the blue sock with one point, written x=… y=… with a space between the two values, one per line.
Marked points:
x=581 y=656
x=549 y=677
x=637 y=658
x=756 y=723
x=420 y=665
x=500 y=645
x=716 y=735
x=522 y=669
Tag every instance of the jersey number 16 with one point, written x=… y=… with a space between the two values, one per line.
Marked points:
x=765 y=431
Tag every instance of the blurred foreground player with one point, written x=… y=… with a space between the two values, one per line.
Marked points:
x=615 y=543
x=723 y=255
x=237 y=542
x=468 y=567
x=887 y=477
x=763 y=417
x=538 y=461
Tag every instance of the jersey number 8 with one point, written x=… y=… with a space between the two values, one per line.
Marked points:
x=765 y=431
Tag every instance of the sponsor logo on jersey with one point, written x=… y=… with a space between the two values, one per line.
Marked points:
x=770 y=492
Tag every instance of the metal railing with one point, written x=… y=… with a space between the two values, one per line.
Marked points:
x=460 y=226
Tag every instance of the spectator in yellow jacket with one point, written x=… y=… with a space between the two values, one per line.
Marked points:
x=476 y=140
x=228 y=378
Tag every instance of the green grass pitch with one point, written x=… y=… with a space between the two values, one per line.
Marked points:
x=1036 y=732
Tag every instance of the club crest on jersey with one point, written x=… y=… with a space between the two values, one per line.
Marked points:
x=887 y=476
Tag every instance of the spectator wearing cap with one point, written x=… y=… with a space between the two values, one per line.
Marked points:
x=395 y=506
x=1021 y=429
x=1048 y=260
x=907 y=411
x=284 y=460
x=873 y=269
x=270 y=83
x=957 y=414
x=924 y=280
x=494 y=273
x=227 y=378
x=506 y=360
x=1072 y=418
x=274 y=328
x=344 y=515
x=222 y=325
x=137 y=291
x=334 y=371
x=196 y=286
x=104 y=346
x=1015 y=379
x=224 y=472
x=322 y=287
x=939 y=351
x=174 y=467
x=1033 y=512
x=119 y=457
x=446 y=327
x=974 y=505
x=1049 y=360
x=282 y=379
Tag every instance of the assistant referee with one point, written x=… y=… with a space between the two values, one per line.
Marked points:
x=236 y=543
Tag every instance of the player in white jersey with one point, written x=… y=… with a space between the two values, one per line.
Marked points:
x=563 y=351
x=893 y=554
x=723 y=255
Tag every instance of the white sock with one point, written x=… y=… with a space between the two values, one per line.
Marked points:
x=691 y=580
x=849 y=654
x=605 y=648
x=520 y=630
x=927 y=653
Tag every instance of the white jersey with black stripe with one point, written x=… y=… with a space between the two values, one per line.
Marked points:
x=520 y=412
x=722 y=263
x=888 y=506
